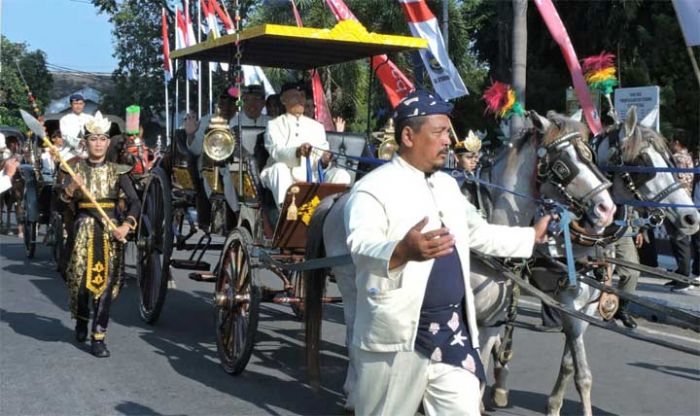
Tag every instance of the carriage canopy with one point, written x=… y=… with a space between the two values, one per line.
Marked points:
x=292 y=47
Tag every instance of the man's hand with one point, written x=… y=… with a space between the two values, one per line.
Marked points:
x=326 y=159
x=191 y=124
x=304 y=150
x=418 y=246
x=339 y=123
x=121 y=232
x=11 y=166
x=541 y=229
x=638 y=240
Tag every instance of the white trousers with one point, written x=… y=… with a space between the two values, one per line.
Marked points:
x=395 y=383
x=278 y=178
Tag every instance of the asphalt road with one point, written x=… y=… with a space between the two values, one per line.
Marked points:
x=172 y=368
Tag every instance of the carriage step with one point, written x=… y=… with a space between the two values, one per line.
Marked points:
x=202 y=277
x=190 y=264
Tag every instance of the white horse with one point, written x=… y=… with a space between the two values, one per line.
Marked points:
x=627 y=145
x=566 y=173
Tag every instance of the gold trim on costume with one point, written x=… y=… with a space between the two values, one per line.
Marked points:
x=89 y=205
x=97 y=273
x=98 y=336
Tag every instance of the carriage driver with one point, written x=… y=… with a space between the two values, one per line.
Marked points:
x=293 y=141
x=410 y=231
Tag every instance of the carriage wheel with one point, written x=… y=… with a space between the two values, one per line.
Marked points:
x=236 y=303
x=299 y=291
x=155 y=245
x=57 y=238
x=30 y=236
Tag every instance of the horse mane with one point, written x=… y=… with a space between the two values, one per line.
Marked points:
x=640 y=138
x=562 y=125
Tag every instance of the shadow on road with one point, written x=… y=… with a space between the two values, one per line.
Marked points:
x=672 y=370
x=537 y=402
x=134 y=409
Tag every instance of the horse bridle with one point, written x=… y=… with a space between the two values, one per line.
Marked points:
x=556 y=166
x=656 y=214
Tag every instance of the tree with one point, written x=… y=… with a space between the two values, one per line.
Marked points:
x=645 y=36
x=13 y=92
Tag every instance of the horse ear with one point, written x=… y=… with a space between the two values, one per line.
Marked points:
x=631 y=120
x=650 y=118
x=539 y=122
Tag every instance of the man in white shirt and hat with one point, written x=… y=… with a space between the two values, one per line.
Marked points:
x=72 y=125
x=298 y=148
x=410 y=232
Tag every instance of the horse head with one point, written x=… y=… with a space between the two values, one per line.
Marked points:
x=631 y=144
x=566 y=170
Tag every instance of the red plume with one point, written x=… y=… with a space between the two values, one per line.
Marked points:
x=496 y=97
x=598 y=62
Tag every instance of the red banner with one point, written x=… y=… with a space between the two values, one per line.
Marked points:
x=395 y=83
x=322 y=113
x=556 y=28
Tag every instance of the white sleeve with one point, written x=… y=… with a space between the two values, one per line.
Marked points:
x=5 y=182
x=69 y=132
x=498 y=240
x=274 y=139
x=367 y=226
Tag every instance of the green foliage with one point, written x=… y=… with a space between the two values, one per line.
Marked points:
x=644 y=35
x=13 y=92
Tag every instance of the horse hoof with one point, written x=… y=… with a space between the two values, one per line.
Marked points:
x=500 y=397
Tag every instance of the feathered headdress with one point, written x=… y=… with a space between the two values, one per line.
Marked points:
x=600 y=72
x=98 y=125
x=501 y=101
x=471 y=143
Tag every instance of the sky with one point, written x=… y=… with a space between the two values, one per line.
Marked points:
x=71 y=32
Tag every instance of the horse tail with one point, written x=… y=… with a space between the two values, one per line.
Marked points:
x=315 y=284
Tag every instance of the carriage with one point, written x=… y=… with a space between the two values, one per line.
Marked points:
x=259 y=236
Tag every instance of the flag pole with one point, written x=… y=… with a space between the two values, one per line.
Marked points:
x=177 y=99
x=167 y=112
x=199 y=63
x=187 y=63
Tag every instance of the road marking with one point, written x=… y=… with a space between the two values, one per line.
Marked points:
x=639 y=328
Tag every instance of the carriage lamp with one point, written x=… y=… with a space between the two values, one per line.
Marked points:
x=219 y=142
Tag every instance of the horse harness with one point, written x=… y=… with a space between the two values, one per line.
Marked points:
x=558 y=168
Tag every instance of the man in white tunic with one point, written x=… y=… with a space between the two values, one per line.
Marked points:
x=410 y=230
x=72 y=125
x=296 y=143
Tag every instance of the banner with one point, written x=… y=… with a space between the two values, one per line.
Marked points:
x=688 y=12
x=558 y=31
x=167 y=64
x=322 y=113
x=395 y=83
x=442 y=72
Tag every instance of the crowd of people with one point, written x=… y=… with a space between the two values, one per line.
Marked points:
x=412 y=237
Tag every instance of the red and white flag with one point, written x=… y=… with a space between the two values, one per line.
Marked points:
x=191 y=40
x=223 y=16
x=182 y=41
x=167 y=64
x=322 y=113
x=211 y=26
x=443 y=74
x=395 y=83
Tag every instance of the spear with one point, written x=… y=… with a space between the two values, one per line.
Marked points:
x=35 y=126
